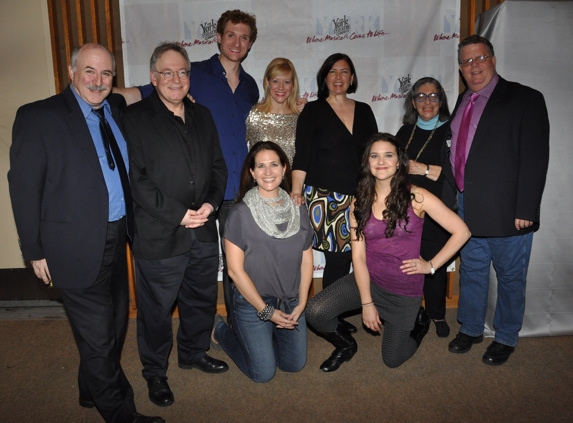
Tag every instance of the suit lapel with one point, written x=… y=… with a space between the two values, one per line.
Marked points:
x=80 y=131
x=497 y=98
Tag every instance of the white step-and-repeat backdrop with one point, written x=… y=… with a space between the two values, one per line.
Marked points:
x=392 y=43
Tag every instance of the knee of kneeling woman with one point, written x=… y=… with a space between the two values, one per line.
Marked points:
x=294 y=367
x=392 y=363
x=263 y=376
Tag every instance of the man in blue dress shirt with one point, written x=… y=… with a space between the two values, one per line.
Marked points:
x=72 y=207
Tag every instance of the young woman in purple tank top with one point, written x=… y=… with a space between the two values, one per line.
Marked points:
x=386 y=225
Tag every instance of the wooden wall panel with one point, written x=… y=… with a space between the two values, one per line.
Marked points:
x=76 y=22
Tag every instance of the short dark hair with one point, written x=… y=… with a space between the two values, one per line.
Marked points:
x=163 y=48
x=238 y=16
x=327 y=66
x=410 y=112
x=247 y=181
x=474 y=39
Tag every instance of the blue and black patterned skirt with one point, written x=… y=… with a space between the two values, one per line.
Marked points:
x=330 y=218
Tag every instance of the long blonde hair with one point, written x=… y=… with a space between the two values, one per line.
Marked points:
x=279 y=66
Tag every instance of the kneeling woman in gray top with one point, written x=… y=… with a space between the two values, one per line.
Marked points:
x=268 y=243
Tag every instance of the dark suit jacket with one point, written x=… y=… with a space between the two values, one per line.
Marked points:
x=507 y=163
x=168 y=176
x=59 y=196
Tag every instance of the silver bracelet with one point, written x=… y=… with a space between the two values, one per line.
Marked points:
x=266 y=313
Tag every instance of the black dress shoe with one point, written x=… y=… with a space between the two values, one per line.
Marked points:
x=442 y=328
x=159 y=392
x=140 y=418
x=86 y=402
x=497 y=354
x=207 y=364
x=463 y=343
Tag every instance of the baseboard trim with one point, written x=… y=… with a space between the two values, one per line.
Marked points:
x=23 y=285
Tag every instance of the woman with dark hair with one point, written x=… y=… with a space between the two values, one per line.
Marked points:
x=423 y=136
x=387 y=216
x=268 y=242
x=330 y=137
x=274 y=119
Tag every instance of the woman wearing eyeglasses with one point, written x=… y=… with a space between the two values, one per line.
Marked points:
x=423 y=134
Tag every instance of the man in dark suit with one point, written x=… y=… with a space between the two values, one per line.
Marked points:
x=497 y=168
x=178 y=176
x=70 y=205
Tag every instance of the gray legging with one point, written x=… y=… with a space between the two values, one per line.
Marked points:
x=324 y=308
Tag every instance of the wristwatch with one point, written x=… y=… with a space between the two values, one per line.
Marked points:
x=427 y=172
x=432 y=270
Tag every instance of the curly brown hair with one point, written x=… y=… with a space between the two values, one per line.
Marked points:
x=237 y=16
x=398 y=200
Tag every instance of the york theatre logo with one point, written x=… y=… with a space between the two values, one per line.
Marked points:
x=208 y=30
x=393 y=88
x=336 y=28
x=405 y=84
x=199 y=33
x=341 y=26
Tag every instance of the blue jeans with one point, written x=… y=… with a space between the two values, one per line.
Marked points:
x=510 y=257
x=258 y=347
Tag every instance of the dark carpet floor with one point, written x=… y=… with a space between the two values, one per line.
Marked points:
x=39 y=362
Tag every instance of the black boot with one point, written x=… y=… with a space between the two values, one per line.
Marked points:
x=421 y=326
x=351 y=328
x=345 y=345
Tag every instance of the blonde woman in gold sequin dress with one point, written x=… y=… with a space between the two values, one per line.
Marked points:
x=274 y=119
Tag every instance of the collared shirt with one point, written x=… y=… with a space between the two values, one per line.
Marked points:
x=479 y=106
x=209 y=87
x=112 y=179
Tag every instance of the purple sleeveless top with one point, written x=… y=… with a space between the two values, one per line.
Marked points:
x=384 y=256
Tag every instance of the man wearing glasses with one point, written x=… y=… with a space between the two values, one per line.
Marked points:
x=178 y=176
x=222 y=85
x=497 y=168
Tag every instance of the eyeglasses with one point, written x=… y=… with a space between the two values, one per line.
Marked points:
x=469 y=62
x=168 y=75
x=421 y=97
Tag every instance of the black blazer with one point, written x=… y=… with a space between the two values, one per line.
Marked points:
x=168 y=177
x=507 y=163
x=59 y=196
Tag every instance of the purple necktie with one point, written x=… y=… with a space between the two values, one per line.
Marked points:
x=462 y=142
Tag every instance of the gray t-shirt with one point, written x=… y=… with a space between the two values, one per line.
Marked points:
x=272 y=263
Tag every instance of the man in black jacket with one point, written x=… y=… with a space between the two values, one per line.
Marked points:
x=178 y=176
x=497 y=168
x=72 y=210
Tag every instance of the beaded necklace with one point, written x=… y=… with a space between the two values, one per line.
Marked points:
x=425 y=144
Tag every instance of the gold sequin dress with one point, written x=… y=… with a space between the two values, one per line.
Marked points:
x=281 y=129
